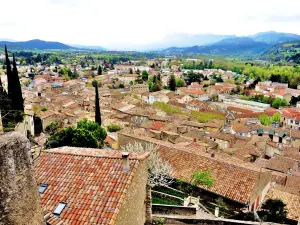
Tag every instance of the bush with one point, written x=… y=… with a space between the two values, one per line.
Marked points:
x=86 y=134
x=97 y=131
x=43 y=109
x=72 y=136
x=113 y=128
x=52 y=128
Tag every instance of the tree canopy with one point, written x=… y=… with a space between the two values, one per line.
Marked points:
x=72 y=136
x=86 y=134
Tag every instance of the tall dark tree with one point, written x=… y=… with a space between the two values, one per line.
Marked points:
x=145 y=75
x=17 y=98
x=99 y=70
x=158 y=77
x=9 y=74
x=172 y=83
x=97 y=103
x=154 y=79
x=3 y=99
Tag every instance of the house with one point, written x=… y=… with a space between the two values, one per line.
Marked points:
x=126 y=79
x=92 y=186
x=158 y=96
x=290 y=118
x=139 y=88
x=219 y=89
x=59 y=117
x=222 y=139
x=195 y=93
x=141 y=68
x=183 y=99
x=123 y=68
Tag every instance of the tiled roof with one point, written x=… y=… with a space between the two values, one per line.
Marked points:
x=292 y=201
x=238 y=109
x=231 y=181
x=282 y=164
x=90 y=181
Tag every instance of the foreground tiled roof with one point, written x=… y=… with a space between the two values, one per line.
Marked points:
x=90 y=181
x=231 y=181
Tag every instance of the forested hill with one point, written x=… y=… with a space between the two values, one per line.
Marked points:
x=289 y=51
x=35 y=44
x=228 y=46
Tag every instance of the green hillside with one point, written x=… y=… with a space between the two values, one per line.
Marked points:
x=289 y=52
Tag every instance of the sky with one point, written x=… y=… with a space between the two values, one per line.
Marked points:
x=118 y=24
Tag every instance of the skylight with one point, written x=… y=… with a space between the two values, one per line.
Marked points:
x=42 y=188
x=59 y=208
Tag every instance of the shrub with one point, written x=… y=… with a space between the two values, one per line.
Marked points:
x=113 y=127
x=97 y=131
x=72 y=136
x=44 y=108
x=52 y=128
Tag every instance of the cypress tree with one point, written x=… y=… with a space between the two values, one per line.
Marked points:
x=17 y=99
x=97 y=104
x=99 y=70
x=2 y=91
x=172 y=83
x=9 y=75
x=3 y=99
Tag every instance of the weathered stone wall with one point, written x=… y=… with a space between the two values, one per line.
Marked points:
x=19 y=197
x=133 y=210
x=173 y=210
x=124 y=139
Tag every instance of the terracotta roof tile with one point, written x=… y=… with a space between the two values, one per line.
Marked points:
x=292 y=201
x=90 y=181
x=231 y=181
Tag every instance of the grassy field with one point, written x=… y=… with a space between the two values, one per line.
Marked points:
x=158 y=200
x=201 y=116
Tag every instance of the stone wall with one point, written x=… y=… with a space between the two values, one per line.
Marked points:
x=133 y=210
x=174 y=210
x=19 y=197
x=124 y=139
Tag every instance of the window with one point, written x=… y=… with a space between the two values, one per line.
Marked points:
x=59 y=208
x=291 y=121
x=42 y=188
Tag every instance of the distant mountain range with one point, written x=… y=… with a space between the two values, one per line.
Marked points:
x=250 y=45
x=44 y=45
x=272 y=37
x=182 y=43
x=35 y=44
x=89 y=47
x=228 y=46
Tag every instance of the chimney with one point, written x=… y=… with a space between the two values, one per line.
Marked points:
x=212 y=155
x=125 y=159
x=195 y=139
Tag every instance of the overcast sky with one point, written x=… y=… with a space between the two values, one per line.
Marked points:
x=117 y=23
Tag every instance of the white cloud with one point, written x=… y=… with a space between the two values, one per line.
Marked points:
x=120 y=23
